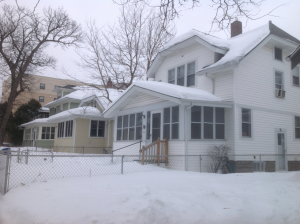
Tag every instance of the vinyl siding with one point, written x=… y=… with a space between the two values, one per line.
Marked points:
x=143 y=100
x=224 y=86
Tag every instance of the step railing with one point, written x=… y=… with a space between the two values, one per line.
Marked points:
x=156 y=152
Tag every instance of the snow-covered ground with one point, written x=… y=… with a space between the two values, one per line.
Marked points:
x=157 y=197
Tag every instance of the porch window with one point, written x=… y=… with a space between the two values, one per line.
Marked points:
x=48 y=132
x=69 y=128
x=297 y=127
x=97 y=128
x=210 y=120
x=27 y=134
x=148 y=124
x=180 y=75
x=246 y=122
x=296 y=76
x=60 y=130
x=191 y=74
x=171 y=76
x=37 y=133
x=129 y=127
x=171 y=123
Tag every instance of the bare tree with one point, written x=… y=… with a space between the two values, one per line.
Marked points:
x=219 y=157
x=226 y=11
x=123 y=52
x=24 y=36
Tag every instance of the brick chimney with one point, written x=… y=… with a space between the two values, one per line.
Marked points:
x=109 y=83
x=236 y=28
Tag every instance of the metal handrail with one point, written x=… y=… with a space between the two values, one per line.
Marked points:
x=126 y=146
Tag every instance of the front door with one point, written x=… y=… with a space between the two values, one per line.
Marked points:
x=281 y=151
x=156 y=126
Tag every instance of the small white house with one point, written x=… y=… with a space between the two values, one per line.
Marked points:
x=208 y=91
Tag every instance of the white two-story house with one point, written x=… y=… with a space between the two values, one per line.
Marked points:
x=207 y=91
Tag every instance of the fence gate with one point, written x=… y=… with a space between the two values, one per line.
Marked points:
x=4 y=160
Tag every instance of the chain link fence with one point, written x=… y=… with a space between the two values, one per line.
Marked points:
x=21 y=167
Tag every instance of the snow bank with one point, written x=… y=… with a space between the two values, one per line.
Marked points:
x=157 y=197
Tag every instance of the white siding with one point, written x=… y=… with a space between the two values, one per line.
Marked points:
x=143 y=100
x=254 y=82
x=224 y=86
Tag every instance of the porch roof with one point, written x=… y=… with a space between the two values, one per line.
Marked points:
x=170 y=92
x=36 y=122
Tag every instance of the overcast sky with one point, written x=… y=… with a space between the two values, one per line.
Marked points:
x=105 y=11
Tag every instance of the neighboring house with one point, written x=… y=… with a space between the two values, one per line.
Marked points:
x=75 y=122
x=42 y=90
x=208 y=91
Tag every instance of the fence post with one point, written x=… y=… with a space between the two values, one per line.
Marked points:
x=18 y=158
x=26 y=160
x=6 y=172
x=122 y=164
x=260 y=162
x=200 y=163
x=158 y=151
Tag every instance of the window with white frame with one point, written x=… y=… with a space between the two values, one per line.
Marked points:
x=42 y=86
x=60 y=129
x=69 y=128
x=27 y=134
x=148 y=135
x=278 y=53
x=97 y=128
x=41 y=99
x=207 y=122
x=297 y=127
x=129 y=127
x=295 y=73
x=183 y=75
x=48 y=132
x=246 y=123
x=171 y=123
x=279 y=80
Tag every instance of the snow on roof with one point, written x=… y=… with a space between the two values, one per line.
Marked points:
x=80 y=111
x=179 y=92
x=83 y=92
x=44 y=109
x=36 y=121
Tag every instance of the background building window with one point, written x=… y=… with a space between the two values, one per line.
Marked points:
x=41 y=99
x=246 y=123
x=295 y=73
x=171 y=76
x=97 y=128
x=278 y=53
x=27 y=134
x=60 y=130
x=48 y=132
x=190 y=74
x=42 y=86
x=69 y=128
x=56 y=87
x=297 y=127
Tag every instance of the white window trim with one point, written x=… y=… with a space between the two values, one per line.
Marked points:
x=64 y=131
x=274 y=84
x=185 y=72
x=129 y=127
x=241 y=123
x=282 y=61
x=294 y=121
x=90 y=123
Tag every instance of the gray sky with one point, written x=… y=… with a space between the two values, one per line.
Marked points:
x=105 y=11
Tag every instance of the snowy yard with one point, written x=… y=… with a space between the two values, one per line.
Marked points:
x=157 y=197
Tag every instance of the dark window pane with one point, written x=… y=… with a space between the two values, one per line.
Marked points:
x=171 y=76
x=138 y=134
x=208 y=114
x=43 y=135
x=220 y=115
x=246 y=115
x=166 y=132
x=131 y=133
x=148 y=124
x=93 y=132
x=155 y=134
x=175 y=131
x=125 y=134
x=208 y=131
x=191 y=68
x=52 y=135
x=196 y=114
x=167 y=115
x=297 y=132
x=94 y=124
x=246 y=130
x=132 y=120
x=220 y=131
x=125 y=121
x=278 y=53
x=191 y=80
x=279 y=139
x=196 y=131
x=120 y=122
x=139 y=119
x=297 y=122
x=295 y=81
x=119 y=134
x=156 y=120
x=175 y=114
x=47 y=135
x=52 y=129
x=101 y=129
x=180 y=75
x=44 y=129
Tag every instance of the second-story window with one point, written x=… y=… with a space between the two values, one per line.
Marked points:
x=183 y=75
x=246 y=122
x=295 y=73
x=190 y=74
x=42 y=86
x=278 y=80
x=171 y=76
x=41 y=99
x=180 y=75
x=278 y=53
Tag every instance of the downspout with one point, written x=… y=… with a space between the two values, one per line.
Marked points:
x=213 y=83
x=74 y=135
x=185 y=135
